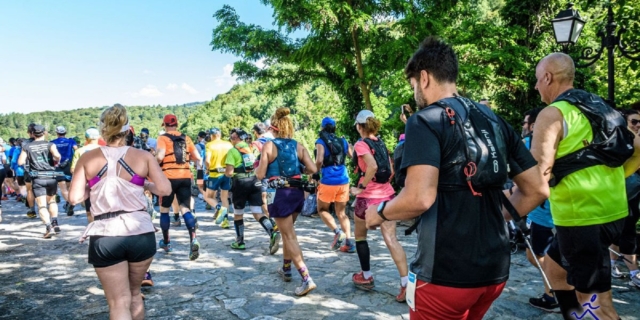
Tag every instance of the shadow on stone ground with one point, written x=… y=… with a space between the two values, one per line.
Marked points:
x=50 y=278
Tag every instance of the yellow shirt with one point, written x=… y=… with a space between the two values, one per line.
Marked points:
x=216 y=154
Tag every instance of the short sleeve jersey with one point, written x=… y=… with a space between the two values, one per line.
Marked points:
x=334 y=175
x=216 y=152
x=461 y=234
x=171 y=169
x=80 y=152
x=373 y=190
x=65 y=148
x=234 y=157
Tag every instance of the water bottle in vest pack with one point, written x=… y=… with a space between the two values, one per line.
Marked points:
x=485 y=146
x=287 y=157
x=612 y=142
x=335 y=146
x=381 y=155
x=248 y=158
x=179 y=148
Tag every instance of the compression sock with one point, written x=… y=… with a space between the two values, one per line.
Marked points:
x=304 y=273
x=286 y=266
x=568 y=302
x=54 y=221
x=362 y=247
x=239 y=225
x=190 y=222
x=266 y=224
x=404 y=281
x=165 y=223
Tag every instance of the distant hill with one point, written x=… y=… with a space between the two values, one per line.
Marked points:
x=77 y=121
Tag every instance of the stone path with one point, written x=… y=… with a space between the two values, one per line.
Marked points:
x=50 y=278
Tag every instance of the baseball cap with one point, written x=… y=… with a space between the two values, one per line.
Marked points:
x=363 y=116
x=214 y=131
x=61 y=130
x=92 y=133
x=145 y=130
x=170 y=120
x=38 y=129
x=328 y=121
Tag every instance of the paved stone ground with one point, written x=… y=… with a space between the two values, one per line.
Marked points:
x=50 y=278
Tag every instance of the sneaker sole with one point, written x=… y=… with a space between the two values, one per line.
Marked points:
x=365 y=287
x=554 y=310
x=195 y=251
x=275 y=245
x=306 y=291
x=620 y=276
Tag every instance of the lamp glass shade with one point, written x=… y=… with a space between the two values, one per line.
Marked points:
x=562 y=29
x=577 y=29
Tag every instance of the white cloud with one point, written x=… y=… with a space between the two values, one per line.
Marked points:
x=172 y=86
x=188 y=88
x=150 y=91
x=260 y=63
x=226 y=80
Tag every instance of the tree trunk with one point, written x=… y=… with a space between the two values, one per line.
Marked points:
x=362 y=83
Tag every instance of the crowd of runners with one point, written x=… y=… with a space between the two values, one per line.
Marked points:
x=460 y=171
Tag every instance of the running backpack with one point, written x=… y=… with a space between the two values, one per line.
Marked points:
x=400 y=176
x=179 y=148
x=335 y=146
x=248 y=159
x=612 y=142
x=485 y=146
x=381 y=155
x=287 y=158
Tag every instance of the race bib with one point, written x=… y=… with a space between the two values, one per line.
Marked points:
x=221 y=170
x=271 y=194
x=411 y=291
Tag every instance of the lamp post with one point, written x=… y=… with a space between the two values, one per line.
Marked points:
x=567 y=26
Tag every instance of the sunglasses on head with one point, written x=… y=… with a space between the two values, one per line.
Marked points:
x=635 y=122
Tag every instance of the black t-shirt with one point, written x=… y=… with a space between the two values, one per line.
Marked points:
x=39 y=156
x=463 y=241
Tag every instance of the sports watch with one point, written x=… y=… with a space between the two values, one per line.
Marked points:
x=381 y=207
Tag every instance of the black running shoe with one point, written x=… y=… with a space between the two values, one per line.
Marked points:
x=545 y=303
x=31 y=214
x=55 y=226
x=69 y=210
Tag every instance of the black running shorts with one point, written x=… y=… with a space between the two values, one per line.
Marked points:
x=107 y=251
x=541 y=238
x=181 y=189
x=20 y=180
x=584 y=253
x=44 y=187
x=246 y=189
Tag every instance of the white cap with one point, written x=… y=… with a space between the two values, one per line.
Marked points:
x=92 y=134
x=267 y=123
x=363 y=116
x=61 y=130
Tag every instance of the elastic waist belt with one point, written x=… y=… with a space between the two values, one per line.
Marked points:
x=110 y=215
x=244 y=175
x=46 y=174
x=218 y=170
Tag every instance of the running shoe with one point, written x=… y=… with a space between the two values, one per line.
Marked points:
x=274 y=242
x=237 y=246
x=176 y=223
x=147 y=281
x=49 y=233
x=165 y=246
x=286 y=276
x=225 y=224
x=615 y=272
x=222 y=214
x=306 y=287
x=402 y=296
x=545 y=303
x=361 y=283
x=275 y=226
x=55 y=226
x=635 y=280
x=57 y=198
x=194 y=250
x=65 y=206
x=348 y=248
x=69 y=210
x=31 y=214
x=338 y=239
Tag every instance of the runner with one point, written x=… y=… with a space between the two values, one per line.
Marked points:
x=579 y=266
x=19 y=172
x=40 y=156
x=462 y=260
x=334 y=184
x=260 y=131
x=92 y=135
x=66 y=147
x=246 y=188
x=174 y=152
x=30 y=203
x=200 y=146
x=281 y=159
x=374 y=188
x=121 y=239
x=215 y=163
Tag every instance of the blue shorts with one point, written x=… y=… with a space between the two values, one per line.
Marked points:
x=220 y=183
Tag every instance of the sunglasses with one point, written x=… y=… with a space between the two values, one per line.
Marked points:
x=635 y=122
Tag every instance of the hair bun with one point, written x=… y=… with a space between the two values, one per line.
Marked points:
x=282 y=112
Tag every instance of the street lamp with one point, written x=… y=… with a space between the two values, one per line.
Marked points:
x=567 y=26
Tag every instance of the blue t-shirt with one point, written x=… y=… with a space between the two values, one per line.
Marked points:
x=7 y=150
x=334 y=175
x=541 y=215
x=65 y=147
x=19 y=170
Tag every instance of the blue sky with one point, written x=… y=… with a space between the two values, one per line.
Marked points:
x=59 y=55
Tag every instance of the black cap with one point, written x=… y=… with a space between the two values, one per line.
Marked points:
x=38 y=129
x=145 y=130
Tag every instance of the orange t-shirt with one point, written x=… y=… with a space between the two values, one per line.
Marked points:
x=171 y=169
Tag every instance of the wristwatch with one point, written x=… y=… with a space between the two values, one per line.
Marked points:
x=361 y=186
x=381 y=207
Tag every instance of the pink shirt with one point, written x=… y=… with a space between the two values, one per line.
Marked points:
x=113 y=194
x=374 y=190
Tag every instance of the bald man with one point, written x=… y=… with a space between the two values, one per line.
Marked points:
x=588 y=206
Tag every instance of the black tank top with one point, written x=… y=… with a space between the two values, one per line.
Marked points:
x=39 y=156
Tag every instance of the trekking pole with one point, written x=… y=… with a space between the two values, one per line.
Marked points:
x=620 y=255
x=544 y=276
